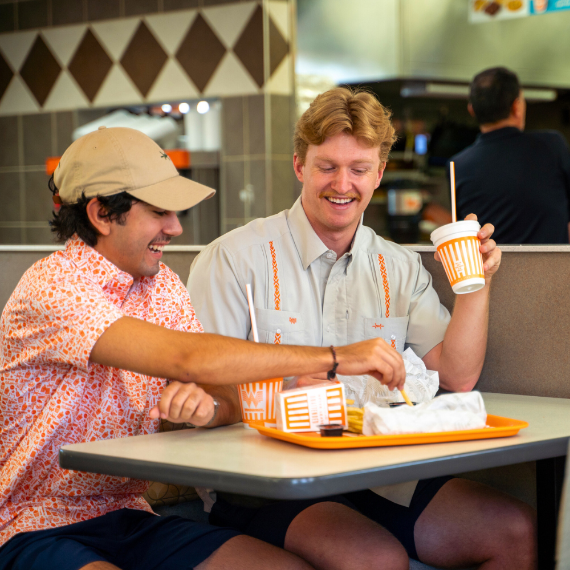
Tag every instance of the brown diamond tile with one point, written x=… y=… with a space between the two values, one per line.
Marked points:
x=143 y=59
x=278 y=47
x=200 y=52
x=40 y=70
x=249 y=47
x=90 y=65
x=6 y=75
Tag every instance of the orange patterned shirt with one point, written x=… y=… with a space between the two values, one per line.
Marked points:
x=51 y=395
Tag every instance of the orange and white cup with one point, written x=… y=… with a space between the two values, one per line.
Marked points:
x=257 y=401
x=458 y=247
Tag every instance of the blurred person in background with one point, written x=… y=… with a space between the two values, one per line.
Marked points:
x=518 y=181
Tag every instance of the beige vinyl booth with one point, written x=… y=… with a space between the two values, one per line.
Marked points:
x=528 y=349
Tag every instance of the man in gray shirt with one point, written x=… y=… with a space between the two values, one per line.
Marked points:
x=319 y=277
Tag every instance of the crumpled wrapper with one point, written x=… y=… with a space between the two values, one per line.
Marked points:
x=449 y=412
x=421 y=384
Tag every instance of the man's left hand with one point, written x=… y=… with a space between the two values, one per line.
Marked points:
x=489 y=250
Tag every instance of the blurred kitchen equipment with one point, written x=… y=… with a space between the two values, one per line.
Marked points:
x=404 y=211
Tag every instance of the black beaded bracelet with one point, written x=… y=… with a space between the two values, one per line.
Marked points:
x=331 y=374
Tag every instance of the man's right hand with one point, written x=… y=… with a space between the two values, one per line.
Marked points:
x=374 y=357
x=184 y=403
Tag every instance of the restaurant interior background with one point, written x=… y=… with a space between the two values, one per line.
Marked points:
x=223 y=82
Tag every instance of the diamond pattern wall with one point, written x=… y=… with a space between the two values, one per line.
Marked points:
x=249 y=47
x=40 y=70
x=219 y=53
x=6 y=75
x=143 y=59
x=90 y=65
x=200 y=52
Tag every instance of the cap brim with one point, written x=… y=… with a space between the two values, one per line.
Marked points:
x=175 y=194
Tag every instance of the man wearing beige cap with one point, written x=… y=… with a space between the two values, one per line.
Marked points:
x=87 y=341
x=320 y=277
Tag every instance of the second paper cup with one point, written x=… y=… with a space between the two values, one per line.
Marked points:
x=458 y=247
x=257 y=401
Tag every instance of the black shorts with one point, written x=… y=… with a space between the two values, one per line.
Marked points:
x=127 y=538
x=270 y=523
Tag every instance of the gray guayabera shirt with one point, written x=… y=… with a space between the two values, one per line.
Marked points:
x=304 y=295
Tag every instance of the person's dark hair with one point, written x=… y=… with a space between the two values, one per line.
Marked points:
x=492 y=94
x=72 y=218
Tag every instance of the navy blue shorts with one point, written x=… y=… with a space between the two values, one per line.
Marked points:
x=127 y=538
x=270 y=523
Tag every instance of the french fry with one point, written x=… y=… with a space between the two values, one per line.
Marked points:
x=355 y=418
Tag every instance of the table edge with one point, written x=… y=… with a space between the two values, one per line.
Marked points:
x=312 y=487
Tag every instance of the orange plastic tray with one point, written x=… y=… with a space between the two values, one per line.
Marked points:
x=497 y=427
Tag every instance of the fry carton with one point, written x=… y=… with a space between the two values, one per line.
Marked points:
x=304 y=409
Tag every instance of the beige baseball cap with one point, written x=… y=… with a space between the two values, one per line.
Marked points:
x=109 y=161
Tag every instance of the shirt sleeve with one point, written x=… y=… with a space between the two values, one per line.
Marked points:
x=217 y=293
x=428 y=318
x=59 y=322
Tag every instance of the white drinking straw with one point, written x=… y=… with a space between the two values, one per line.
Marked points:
x=452 y=178
x=252 y=313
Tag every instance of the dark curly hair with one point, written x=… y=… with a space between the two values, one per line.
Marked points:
x=72 y=218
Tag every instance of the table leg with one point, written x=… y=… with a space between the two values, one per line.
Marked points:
x=549 y=481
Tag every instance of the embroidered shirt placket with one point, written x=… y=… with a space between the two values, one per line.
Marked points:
x=276 y=290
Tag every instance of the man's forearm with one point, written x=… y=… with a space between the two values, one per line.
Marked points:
x=465 y=342
x=133 y=344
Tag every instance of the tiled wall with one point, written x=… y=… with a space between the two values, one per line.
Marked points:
x=66 y=62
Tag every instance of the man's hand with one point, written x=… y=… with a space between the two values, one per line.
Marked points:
x=489 y=250
x=374 y=357
x=184 y=403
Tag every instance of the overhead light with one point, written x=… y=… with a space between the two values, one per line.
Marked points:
x=203 y=107
x=447 y=90
x=166 y=108
x=531 y=94
x=457 y=91
x=184 y=108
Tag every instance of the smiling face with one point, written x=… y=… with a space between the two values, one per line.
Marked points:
x=339 y=178
x=135 y=246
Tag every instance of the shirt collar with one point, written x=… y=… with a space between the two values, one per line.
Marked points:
x=308 y=243
x=498 y=134
x=98 y=268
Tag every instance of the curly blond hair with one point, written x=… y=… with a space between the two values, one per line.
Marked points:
x=344 y=110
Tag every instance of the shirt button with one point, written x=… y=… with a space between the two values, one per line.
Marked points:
x=330 y=254
x=121 y=279
x=278 y=331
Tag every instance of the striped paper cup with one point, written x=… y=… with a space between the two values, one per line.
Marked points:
x=257 y=401
x=458 y=247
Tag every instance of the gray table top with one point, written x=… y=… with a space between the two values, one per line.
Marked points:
x=239 y=460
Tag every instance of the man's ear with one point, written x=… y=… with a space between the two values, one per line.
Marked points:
x=470 y=109
x=380 y=174
x=96 y=214
x=518 y=107
x=298 y=168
